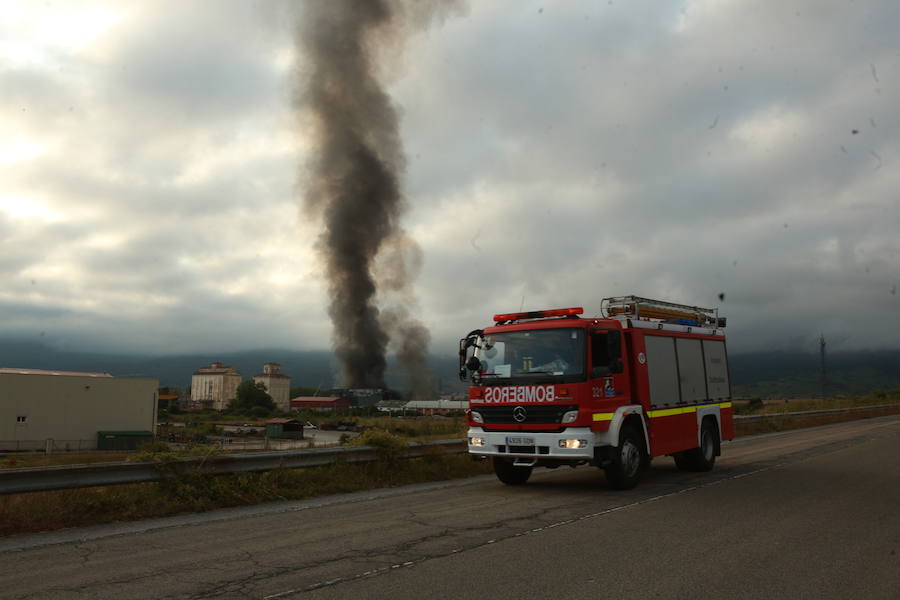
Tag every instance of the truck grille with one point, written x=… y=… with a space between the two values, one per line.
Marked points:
x=535 y=414
x=524 y=449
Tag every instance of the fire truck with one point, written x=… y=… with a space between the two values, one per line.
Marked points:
x=648 y=378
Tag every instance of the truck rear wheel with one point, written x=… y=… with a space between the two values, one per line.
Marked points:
x=702 y=458
x=509 y=473
x=627 y=460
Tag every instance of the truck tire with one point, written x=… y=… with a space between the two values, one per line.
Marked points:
x=703 y=458
x=682 y=461
x=627 y=460
x=509 y=473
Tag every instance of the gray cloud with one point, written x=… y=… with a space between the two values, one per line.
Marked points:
x=559 y=156
x=663 y=157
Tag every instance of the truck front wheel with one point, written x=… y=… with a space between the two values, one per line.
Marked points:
x=509 y=473
x=626 y=461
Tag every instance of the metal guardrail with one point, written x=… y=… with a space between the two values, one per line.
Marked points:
x=35 y=479
x=54 y=446
x=812 y=413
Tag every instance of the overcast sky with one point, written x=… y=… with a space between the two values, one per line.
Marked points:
x=558 y=153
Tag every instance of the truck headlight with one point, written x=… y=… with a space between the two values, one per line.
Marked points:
x=476 y=441
x=476 y=416
x=570 y=416
x=573 y=444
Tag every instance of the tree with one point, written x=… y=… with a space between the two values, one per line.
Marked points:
x=251 y=394
x=306 y=391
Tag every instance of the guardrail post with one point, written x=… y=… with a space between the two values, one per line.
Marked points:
x=48 y=446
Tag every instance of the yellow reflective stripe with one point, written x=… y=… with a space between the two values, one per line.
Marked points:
x=668 y=412
x=604 y=416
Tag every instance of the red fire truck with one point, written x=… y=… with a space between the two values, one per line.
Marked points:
x=647 y=378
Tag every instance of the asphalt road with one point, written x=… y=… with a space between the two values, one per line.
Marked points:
x=809 y=514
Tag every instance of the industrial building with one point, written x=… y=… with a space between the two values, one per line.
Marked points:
x=437 y=407
x=320 y=403
x=360 y=396
x=68 y=411
x=278 y=385
x=442 y=406
x=214 y=386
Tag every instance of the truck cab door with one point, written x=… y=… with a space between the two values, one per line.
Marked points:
x=608 y=376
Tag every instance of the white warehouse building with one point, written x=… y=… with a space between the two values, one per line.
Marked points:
x=66 y=410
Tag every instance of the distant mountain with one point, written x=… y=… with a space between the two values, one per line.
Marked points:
x=307 y=368
x=775 y=374
x=783 y=374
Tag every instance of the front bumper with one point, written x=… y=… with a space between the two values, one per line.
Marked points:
x=544 y=446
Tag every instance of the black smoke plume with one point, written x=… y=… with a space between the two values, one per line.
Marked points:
x=353 y=181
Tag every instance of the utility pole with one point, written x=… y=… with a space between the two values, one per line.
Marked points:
x=822 y=357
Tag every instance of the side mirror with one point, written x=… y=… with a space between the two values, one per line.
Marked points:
x=473 y=364
x=462 y=359
x=464 y=344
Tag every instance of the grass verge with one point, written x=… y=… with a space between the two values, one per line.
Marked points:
x=758 y=406
x=779 y=423
x=42 y=511
x=22 y=461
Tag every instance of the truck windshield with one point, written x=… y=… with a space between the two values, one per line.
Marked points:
x=556 y=354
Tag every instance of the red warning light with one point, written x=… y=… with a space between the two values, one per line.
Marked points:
x=539 y=314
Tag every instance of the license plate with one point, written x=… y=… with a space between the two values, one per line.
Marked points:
x=519 y=441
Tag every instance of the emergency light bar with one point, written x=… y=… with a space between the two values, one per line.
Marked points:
x=539 y=314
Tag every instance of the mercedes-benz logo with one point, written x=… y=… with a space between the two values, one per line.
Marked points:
x=520 y=414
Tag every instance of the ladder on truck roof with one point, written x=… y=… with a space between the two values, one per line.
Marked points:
x=635 y=307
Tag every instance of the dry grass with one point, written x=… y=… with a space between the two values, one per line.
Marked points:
x=777 y=423
x=757 y=406
x=41 y=511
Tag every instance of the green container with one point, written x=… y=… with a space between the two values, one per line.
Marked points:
x=292 y=429
x=122 y=440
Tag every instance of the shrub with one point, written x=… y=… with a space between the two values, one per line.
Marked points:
x=154 y=447
x=257 y=412
x=390 y=447
x=753 y=405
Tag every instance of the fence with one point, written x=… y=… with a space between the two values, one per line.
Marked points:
x=48 y=445
x=239 y=444
x=255 y=443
